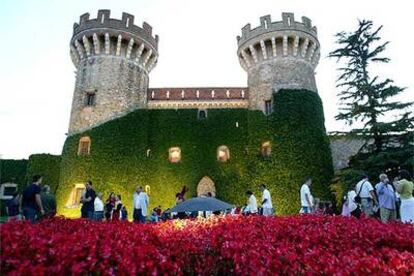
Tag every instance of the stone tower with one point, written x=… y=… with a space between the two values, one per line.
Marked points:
x=278 y=55
x=113 y=59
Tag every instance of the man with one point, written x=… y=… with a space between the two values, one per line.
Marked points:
x=48 y=201
x=31 y=200
x=366 y=192
x=88 y=200
x=251 y=203
x=387 y=199
x=266 y=201
x=141 y=202
x=98 y=207
x=306 y=199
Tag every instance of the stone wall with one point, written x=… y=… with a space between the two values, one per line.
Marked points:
x=343 y=148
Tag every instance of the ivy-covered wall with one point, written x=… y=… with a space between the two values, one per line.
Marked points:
x=119 y=161
x=48 y=166
x=13 y=171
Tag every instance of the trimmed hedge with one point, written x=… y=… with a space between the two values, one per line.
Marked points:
x=13 y=171
x=118 y=161
x=48 y=166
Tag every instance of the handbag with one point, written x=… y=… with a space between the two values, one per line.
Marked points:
x=357 y=197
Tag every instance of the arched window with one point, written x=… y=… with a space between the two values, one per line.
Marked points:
x=202 y=114
x=84 y=147
x=174 y=154
x=75 y=196
x=266 y=149
x=223 y=154
x=148 y=189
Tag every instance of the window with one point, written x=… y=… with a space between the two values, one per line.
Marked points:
x=174 y=154
x=268 y=107
x=223 y=154
x=148 y=189
x=202 y=114
x=266 y=149
x=84 y=147
x=90 y=99
x=75 y=196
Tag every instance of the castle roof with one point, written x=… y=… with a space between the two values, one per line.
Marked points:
x=198 y=93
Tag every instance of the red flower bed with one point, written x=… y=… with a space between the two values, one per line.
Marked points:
x=232 y=245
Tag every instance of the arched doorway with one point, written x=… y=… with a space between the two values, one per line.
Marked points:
x=205 y=186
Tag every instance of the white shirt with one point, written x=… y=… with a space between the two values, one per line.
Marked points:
x=366 y=188
x=252 y=204
x=304 y=190
x=141 y=201
x=266 y=195
x=351 y=201
x=98 y=205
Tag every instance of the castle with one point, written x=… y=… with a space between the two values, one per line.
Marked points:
x=222 y=140
x=114 y=57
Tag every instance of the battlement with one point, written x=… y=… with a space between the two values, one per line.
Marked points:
x=288 y=23
x=104 y=21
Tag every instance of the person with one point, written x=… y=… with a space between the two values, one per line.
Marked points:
x=98 y=207
x=13 y=209
x=366 y=192
x=179 y=197
x=154 y=215
x=405 y=189
x=306 y=199
x=48 y=201
x=386 y=198
x=109 y=206
x=88 y=200
x=266 y=201
x=251 y=207
x=141 y=202
x=350 y=203
x=31 y=200
x=116 y=213
x=83 y=209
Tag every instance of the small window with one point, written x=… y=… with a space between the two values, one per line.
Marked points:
x=266 y=149
x=174 y=155
x=202 y=114
x=148 y=189
x=268 y=107
x=223 y=154
x=84 y=146
x=75 y=196
x=90 y=99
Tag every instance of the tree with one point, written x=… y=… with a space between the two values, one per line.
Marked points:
x=367 y=100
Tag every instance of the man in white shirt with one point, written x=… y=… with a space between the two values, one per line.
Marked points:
x=306 y=197
x=366 y=192
x=251 y=203
x=98 y=207
x=266 y=201
x=141 y=202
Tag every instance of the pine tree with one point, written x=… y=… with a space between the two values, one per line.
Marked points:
x=368 y=101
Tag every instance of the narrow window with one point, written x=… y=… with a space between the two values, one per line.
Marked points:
x=90 y=99
x=266 y=149
x=268 y=107
x=84 y=147
x=75 y=196
x=223 y=154
x=174 y=154
x=202 y=114
x=289 y=21
x=103 y=18
x=127 y=22
x=265 y=23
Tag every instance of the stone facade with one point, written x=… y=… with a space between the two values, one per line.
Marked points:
x=343 y=148
x=113 y=59
x=278 y=55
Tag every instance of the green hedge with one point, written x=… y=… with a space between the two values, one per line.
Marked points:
x=48 y=166
x=13 y=171
x=118 y=160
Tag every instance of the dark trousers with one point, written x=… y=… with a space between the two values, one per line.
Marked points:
x=30 y=214
x=138 y=217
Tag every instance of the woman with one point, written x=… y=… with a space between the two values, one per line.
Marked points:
x=405 y=189
x=13 y=208
x=109 y=206
x=116 y=214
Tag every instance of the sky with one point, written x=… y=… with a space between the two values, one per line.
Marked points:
x=197 y=48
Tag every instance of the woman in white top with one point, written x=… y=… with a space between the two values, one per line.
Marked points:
x=251 y=203
x=98 y=207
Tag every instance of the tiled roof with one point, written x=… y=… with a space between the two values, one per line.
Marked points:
x=195 y=93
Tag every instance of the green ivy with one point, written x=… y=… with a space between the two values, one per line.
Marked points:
x=118 y=160
x=46 y=165
x=13 y=171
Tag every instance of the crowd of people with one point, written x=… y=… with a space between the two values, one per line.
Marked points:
x=388 y=200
